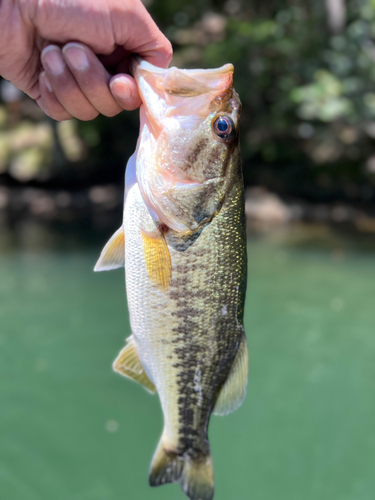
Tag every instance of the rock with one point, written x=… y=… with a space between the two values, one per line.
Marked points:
x=266 y=208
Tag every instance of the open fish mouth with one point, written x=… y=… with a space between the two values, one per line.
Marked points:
x=188 y=126
x=184 y=93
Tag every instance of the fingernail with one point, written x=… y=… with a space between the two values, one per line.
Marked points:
x=120 y=87
x=76 y=57
x=53 y=60
x=46 y=82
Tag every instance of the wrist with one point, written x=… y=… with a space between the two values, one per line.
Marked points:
x=16 y=42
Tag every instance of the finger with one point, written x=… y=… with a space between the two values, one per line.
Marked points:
x=48 y=101
x=64 y=85
x=125 y=91
x=91 y=77
x=136 y=31
x=158 y=52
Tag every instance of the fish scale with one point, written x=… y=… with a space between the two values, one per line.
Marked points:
x=183 y=244
x=178 y=331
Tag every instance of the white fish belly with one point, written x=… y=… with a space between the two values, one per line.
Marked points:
x=151 y=315
x=187 y=337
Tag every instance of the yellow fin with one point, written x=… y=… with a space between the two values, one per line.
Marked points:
x=113 y=254
x=157 y=259
x=233 y=392
x=128 y=364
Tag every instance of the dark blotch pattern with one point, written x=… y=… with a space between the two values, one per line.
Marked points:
x=205 y=340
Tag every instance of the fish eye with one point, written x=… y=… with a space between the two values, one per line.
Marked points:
x=223 y=127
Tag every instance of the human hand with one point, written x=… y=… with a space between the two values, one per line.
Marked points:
x=78 y=79
x=75 y=82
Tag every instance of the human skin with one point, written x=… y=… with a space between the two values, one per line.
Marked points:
x=62 y=53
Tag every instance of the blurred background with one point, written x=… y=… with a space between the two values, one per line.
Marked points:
x=71 y=429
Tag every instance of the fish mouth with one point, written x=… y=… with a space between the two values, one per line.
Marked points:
x=183 y=82
x=174 y=92
x=175 y=105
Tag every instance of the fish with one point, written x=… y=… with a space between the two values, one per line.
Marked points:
x=183 y=245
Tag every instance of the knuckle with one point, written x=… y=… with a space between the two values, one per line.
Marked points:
x=58 y=116
x=86 y=117
x=53 y=109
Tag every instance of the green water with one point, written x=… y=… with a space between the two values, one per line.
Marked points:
x=71 y=429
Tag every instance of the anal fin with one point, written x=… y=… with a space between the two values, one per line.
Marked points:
x=128 y=364
x=157 y=259
x=113 y=254
x=233 y=392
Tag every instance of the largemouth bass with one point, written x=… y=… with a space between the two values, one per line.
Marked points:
x=183 y=246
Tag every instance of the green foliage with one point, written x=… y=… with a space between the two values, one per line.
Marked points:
x=323 y=99
x=308 y=91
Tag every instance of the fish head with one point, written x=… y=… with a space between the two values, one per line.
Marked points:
x=189 y=137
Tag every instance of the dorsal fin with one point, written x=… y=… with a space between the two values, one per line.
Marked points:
x=157 y=259
x=233 y=392
x=113 y=254
x=128 y=364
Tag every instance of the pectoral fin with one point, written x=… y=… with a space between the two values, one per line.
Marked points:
x=157 y=259
x=233 y=392
x=128 y=364
x=113 y=254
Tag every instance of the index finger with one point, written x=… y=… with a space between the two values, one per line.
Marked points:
x=137 y=32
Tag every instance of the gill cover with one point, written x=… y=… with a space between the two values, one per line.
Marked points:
x=178 y=156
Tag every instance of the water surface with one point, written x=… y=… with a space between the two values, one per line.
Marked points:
x=71 y=429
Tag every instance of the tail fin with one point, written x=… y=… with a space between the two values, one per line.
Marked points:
x=197 y=479
x=195 y=475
